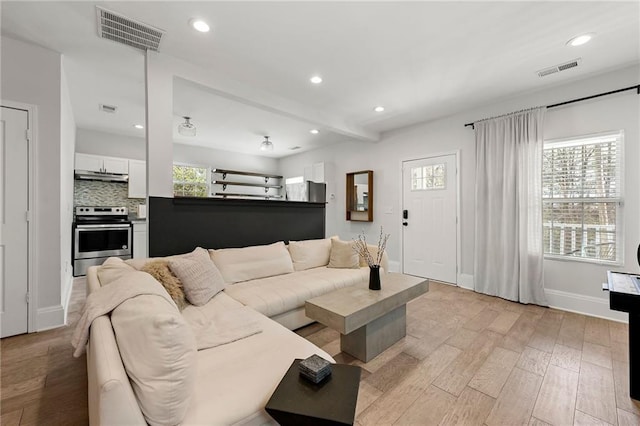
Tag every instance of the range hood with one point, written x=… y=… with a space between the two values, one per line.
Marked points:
x=108 y=177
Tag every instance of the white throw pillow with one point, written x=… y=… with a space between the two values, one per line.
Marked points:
x=200 y=278
x=309 y=254
x=250 y=263
x=343 y=255
x=159 y=352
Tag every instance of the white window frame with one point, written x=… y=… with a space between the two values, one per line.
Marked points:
x=619 y=134
x=197 y=166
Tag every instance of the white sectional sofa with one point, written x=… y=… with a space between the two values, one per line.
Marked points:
x=129 y=383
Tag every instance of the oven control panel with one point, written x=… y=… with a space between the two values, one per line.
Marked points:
x=102 y=211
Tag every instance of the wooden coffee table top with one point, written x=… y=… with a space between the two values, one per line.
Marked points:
x=349 y=308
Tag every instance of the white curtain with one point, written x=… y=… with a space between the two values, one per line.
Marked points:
x=508 y=246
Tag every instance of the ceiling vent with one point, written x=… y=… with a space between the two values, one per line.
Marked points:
x=293 y=148
x=111 y=109
x=557 y=68
x=116 y=27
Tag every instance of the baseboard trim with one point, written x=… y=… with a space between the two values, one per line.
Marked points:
x=50 y=317
x=465 y=281
x=586 y=305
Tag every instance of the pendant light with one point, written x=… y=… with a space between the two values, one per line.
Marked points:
x=187 y=128
x=266 y=144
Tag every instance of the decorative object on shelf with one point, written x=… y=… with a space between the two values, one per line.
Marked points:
x=315 y=368
x=266 y=144
x=187 y=128
x=373 y=260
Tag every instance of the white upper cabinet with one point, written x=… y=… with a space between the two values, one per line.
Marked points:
x=98 y=163
x=137 y=179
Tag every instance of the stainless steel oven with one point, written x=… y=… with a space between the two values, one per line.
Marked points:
x=100 y=233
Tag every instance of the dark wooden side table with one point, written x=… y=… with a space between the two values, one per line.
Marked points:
x=297 y=401
x=624 y=296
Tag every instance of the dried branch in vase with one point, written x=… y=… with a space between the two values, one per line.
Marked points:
x=360 y=247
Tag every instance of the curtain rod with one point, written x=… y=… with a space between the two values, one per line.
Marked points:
x=636 y=87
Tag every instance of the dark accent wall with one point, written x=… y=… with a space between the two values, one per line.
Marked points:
x=178 y=225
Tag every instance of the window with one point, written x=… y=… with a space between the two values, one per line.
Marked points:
x=582 y=198
x=189 y=181
x=428 y=177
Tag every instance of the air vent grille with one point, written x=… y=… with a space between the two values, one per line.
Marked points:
x=108 y=108
x=557 y=68
x=121 y=29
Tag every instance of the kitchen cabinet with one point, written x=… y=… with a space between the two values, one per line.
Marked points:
x=140 y=239
x=101 y=164
x=137 y=179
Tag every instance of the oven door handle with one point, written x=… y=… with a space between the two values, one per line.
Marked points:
x=104 y=226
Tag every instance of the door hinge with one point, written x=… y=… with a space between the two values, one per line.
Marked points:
x=27 y=134
x=27 y=215
x=27 y=298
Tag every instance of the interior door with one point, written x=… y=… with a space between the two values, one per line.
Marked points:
x=14 y=236
x=429 y=231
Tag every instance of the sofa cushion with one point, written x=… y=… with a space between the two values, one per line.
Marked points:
x=275 y=295
x=158 y=350
x=310 y=253
x=343 y=255
x=199 y=276
x=159 y=269
x=112 y=269
x=250 y=263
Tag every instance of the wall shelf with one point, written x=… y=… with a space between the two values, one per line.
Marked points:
x=255 y=183
x=232 y=194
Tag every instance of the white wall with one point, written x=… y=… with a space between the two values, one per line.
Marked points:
x=110 y=144
x=67 y=148
x=570 y=285
x=32 y=75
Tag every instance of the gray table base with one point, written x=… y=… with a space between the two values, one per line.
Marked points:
x=372 y=339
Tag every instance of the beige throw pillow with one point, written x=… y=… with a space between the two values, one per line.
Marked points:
x=200 y=278
x=112 y=269
x=159 y=352
x=309 y=254
x=343 y=255
x=159 y=269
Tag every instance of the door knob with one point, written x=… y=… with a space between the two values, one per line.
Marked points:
x=404 y=223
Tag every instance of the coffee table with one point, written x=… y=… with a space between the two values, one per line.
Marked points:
x=297 y=401
x=369 y=321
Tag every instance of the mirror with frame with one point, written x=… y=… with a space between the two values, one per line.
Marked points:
x=360 y=196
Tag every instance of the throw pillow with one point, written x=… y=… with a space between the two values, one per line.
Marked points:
x=200 y=278
x=159 y=352
x=343 y=255
x=159 y=269
x=112 y=269
x=309 y=254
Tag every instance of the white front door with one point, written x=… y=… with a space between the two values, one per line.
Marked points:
x=429 y=231
x=14 y=232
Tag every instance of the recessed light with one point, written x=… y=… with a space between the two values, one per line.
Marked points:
x=199 y=25
x=379 y=108
x=314 y=131
x=138 y=126
x=580 y=40
x=316 y=79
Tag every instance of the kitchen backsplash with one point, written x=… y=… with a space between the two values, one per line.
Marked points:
x=98 y=193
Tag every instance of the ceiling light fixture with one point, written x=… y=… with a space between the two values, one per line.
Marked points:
x=379 y=108
x=316 y=79
x=199 y=25
x=187 y=128
x=580 y=40
x=314 y=131
x=138 y=126
x=266 y=144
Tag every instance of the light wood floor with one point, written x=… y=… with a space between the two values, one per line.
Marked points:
x=467 y=359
